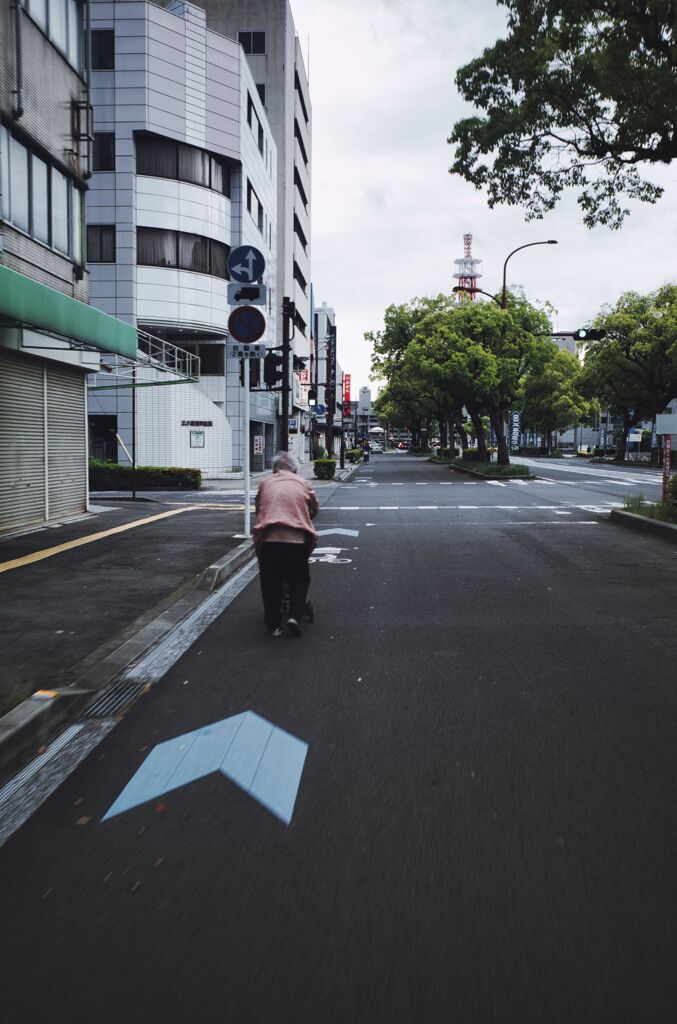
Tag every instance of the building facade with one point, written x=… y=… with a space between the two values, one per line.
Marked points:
x=184 y=169
x=50 y=338
x=265 y=30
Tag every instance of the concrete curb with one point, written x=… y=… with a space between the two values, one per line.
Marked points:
x=667 y=531
x=217 y=573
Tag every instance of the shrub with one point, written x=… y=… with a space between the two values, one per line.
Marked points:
x=110 y=476
x=672 y=496
x=319 y=452
x=492 y=468
x=354 y=454
x=324 y=468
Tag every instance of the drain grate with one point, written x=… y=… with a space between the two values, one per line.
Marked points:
x=115 y=700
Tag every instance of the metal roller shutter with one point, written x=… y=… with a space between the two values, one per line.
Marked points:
x=22 y=441
x=66 y=444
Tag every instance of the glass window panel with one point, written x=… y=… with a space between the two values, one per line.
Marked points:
x=4 y=170
x=245 y=41
x=74 y=32
x=262 y=91
x=76 y=224
x=60 y=231
x=108 y=243
x=220 y=253
x=156 y=157
x=258 y=42
x=39 y=199
x=155 y=247
x=217 y=181
x=103 y=50
x=101 y=243
x=104 y=151
x=38 y=11
x=57 y=23
x=212 y=359
x=18 y=184
x=194 y=253
x=193 y=165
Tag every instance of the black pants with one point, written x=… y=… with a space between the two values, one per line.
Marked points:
x=280 y=564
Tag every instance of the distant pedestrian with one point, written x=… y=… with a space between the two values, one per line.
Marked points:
x=284 y=537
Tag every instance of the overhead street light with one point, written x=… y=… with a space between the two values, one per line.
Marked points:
x=550 y=241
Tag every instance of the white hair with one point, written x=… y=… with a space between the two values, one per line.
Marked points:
x=283 y=460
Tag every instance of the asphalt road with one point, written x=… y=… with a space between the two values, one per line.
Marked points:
x=485 y=825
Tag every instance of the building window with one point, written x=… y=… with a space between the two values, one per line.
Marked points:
x=38 y=12
x=156 y=247
x=261 y=89
x=60 y=218
x=104 y=151
x=40 y=200
x=18 y=183
x=193 y=253
x=101 y=243
x=162 y=158
x=103 y=50
x=252 y=42
x=254 y=206
x=61 y=20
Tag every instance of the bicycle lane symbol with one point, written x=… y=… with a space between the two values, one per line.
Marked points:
x=329 y=555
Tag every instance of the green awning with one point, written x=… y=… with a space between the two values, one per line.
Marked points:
x=41 y=308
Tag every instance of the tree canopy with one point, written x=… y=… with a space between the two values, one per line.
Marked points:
x=633 y=369
x=438 y=356
x=578 y=95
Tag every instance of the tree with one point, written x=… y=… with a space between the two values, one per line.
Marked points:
x=577 y=96
x=550 y=397
x=633 y=370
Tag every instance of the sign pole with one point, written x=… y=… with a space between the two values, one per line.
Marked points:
x=667 y=459
x=247 y=493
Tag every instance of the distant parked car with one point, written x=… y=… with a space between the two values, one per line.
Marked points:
x=375 y=446
x=402 y=446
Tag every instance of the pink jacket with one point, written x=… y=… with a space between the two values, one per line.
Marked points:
x=285 y=499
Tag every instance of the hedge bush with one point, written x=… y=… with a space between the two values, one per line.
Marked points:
x=354 y=454
x=110 y=476
x=324 y=468
x=492 y=468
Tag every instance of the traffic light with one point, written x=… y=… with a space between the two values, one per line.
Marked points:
x=312 y=397
x=273 y=371
x=589 y=334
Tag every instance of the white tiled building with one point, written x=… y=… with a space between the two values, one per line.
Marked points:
x=265 y=29
x=185 y=167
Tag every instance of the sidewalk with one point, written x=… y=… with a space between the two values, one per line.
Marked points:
x=71 y=620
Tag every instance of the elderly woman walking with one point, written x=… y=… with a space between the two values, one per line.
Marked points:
x=284 y=537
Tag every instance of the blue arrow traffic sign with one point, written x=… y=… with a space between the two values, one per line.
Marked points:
x=246 y=264
x=262 y=759
x=246 y=323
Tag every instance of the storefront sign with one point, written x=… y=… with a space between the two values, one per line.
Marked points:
x=346 y=387
x=258 y=444
x=197 y=438
x=197 y=423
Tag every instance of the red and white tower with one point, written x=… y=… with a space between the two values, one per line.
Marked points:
x=468 y=271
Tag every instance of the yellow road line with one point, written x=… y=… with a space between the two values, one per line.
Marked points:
x=37 y=556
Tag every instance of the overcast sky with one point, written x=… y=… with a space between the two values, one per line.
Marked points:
x=388 y=219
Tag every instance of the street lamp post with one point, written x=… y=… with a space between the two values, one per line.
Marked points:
x=550 y=241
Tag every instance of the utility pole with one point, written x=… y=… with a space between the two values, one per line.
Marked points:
x=288 y=315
